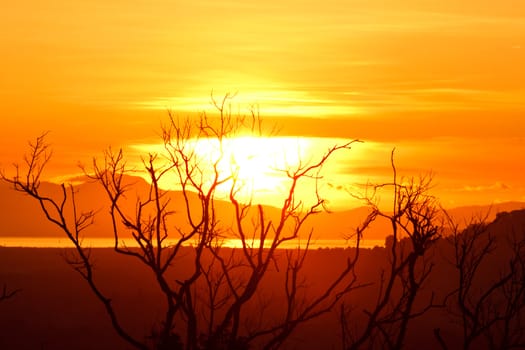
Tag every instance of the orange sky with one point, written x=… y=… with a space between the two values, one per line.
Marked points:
x=443 y=81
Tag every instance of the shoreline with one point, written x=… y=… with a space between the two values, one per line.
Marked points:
x=64 y=242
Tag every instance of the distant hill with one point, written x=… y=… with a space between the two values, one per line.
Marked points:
x=510 y=224
x=463 y=215
x=21 y=216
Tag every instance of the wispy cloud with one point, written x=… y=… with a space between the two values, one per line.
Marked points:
x=481 y=188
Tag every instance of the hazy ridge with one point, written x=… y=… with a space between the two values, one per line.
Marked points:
x=22 y=216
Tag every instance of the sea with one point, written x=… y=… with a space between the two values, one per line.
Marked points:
x=64 y=242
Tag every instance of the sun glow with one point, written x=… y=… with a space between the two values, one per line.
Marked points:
x=258 y=167
x=255 y=167
x=275 y=100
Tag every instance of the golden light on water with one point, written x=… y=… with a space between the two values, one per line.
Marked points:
x=54 y=242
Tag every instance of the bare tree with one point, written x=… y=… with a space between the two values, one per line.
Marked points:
x=7 y=294
x=63 y=213
x=489 y=310
x=415 y=228
x=207 y=306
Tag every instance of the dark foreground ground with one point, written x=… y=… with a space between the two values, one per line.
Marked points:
x=55 y=309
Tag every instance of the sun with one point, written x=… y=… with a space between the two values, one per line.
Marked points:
x=257 y=168
x=257 y=165
x=254 y=166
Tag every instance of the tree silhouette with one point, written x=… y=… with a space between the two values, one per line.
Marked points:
x=415 y=228
x=489 y=310
x=7 y=294
x=211 y=305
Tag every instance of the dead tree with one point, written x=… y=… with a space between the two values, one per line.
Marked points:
x=7 y=294
x=489 y=309
x=415 y=228
x=206 y=306
x=63 y=213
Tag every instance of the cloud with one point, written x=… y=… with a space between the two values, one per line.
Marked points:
x=497 y=186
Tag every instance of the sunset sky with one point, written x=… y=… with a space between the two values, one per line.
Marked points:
x=442 y=81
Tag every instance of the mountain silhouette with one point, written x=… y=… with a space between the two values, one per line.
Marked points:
x=21 y=216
